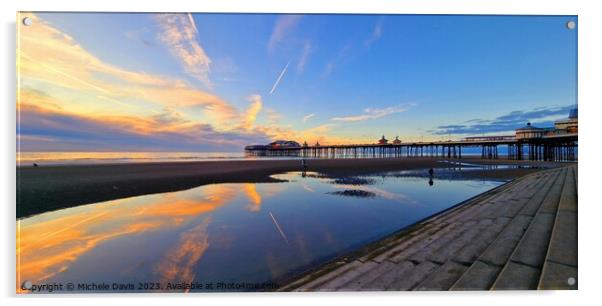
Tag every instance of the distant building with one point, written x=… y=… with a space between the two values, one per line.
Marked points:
x=396 y=141
x=562 y=126
x=383 y=140
x=256 y=147
x=284 y=144
x=317 y=143
x=568 y=125
x=305 y=144
x=529 y=132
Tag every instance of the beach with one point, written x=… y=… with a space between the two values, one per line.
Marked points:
x=46 y=188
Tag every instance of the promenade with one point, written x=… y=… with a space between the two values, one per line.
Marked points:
x=522 y=235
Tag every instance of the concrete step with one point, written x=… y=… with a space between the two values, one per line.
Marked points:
x=517 y=276
x=575 y=169
x=314 y=280
x=347 y=276
x=384 y=280
x=480 y=276
x=382 y=254
x=442 y=279
x=484 y=271
x=560 y=268
x=421 y=244
x=523 y=269
x=430 y=250
x=410 y=279
x=545 y=197
x=509 y=207
x=448 y=251
x=363 y=283
x=532 y=206
x=470 y=252
x=511 y=202
x=419 y=265
x=470 y=207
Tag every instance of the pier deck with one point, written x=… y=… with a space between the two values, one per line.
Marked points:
x=522 y=235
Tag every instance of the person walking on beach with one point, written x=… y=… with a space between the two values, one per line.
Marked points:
x=431 y=172
x=303 y=167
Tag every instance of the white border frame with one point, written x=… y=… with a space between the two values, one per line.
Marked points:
x=589 y=25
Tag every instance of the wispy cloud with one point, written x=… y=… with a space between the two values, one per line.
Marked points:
x=377 y=32
x=284 y=25
x=179 y=34
x=81 y=82
x=304 y=55
x=279 y=78
x=373 y=113
x=506 y=123
x=140 y=35
x=307 y=117
x=328 y=68
x=251 y=114
x=342 y=55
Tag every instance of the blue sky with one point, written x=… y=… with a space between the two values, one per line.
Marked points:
x=258 y=77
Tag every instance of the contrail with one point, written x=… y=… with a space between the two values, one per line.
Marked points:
x=278 y=227
x=193 y=23
x=279 y=78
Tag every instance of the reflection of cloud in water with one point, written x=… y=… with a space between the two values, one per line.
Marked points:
x=271 y=189
x=48 y=244
x=306 y=187
x=398 y=197
x=257 y=193
x=179 y=262
x=254 y=197
x=295 y=175
x=353 y=181
x=302 y=247
x=354 y=193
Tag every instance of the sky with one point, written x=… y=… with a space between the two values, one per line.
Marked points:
x=218 y=82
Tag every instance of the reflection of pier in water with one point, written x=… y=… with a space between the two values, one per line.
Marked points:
x=561 y=147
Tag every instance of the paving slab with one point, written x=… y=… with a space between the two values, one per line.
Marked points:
x=568 y=198
x=563 y=245
x=557 y=276
x=470 y=252
x=413 y=277
x=443 y=278
x=386 y=279
x=360 y=283
x=517 y=276
x=501 y=249
x=533 y=246
x=480 y=276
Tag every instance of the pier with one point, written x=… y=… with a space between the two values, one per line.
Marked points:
x=521 y=235
x=559 y=148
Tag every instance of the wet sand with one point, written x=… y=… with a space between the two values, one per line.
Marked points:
x=47 y=188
